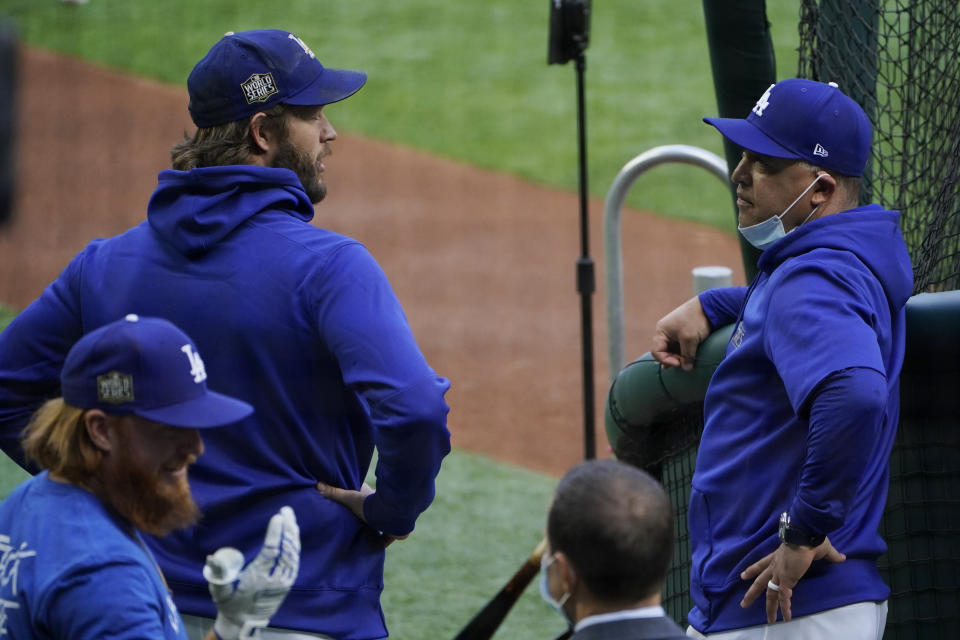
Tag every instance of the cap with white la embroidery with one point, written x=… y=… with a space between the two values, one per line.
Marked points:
x=804 y=120
x=147 y=367
x=250 y=71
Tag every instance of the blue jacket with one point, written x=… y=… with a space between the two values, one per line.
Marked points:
x=301 y=323
x=71 y=568
x=801 y=415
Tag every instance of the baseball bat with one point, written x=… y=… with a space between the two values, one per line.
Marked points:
x=485 y=623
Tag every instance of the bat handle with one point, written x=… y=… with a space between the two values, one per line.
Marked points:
x=538 y=551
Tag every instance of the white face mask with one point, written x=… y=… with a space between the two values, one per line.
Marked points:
x=763 y=234
x=556 y=605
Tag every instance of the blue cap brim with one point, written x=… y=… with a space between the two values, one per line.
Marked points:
x=212 y=409
x=332 y=85
x=746 y=135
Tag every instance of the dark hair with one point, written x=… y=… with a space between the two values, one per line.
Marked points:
x=614 y=523
x=230 y=143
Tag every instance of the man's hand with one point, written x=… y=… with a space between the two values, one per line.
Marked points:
x=678 y=334
x=784 y=568
x=247 y=598
x=353 y=500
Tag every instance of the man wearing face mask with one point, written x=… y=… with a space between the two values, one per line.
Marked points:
x=799 y=418
x=610 y=536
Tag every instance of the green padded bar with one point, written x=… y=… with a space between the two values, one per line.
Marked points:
x=933 y=331
x=644 y=395
x=921 y=522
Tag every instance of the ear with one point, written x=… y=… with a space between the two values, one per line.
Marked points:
x=567 y=572
x=101 y=431
x=261 y=139
x=824 y=190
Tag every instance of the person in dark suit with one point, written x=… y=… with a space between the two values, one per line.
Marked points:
x=609 y=542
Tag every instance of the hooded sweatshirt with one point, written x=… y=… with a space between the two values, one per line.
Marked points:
x=801 y=414
x=296 y=320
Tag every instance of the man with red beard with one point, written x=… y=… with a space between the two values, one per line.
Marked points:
x=115 y=451
x=298 y=320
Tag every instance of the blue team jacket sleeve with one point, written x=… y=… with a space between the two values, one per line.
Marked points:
x=846 y=414
x=113 y=600
x=32 y=350
x=362 y=322
x=823 y=319
x=722 y=306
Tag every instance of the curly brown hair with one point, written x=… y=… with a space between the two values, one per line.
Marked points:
x=230 y=143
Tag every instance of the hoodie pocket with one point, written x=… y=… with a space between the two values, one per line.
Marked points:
x=701 y=548
x=701 y=541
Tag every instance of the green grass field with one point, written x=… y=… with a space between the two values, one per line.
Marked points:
x=6 y=315
x=485 y=521
x=465 y=80
x=10 y=474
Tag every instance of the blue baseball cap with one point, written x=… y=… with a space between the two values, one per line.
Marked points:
x=804 y=120
x=249 y=71
x=146 y=367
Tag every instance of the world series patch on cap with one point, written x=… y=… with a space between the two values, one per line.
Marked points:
x=804 y=120
x=146 y=367
x=250 y=71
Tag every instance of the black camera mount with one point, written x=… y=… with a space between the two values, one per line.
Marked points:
x=569 y=37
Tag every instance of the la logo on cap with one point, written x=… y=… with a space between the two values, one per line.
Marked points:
x=197 y=370
x=303 y=45
x=763 y=102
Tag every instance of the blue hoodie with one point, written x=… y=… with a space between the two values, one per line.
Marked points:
x=301 y=323
x=801 y=415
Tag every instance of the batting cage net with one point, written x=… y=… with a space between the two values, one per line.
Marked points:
x=672 y=465
x=898 y=59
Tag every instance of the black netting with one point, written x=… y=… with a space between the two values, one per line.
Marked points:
x=668 y=451
x=676 y=475
x=899 y=59
x=921 y=523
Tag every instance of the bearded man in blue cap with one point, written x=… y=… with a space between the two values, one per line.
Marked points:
x=115 y=451
x=299 y=321
x=791 y=475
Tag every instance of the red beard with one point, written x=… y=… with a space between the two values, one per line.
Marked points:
x=153 y=505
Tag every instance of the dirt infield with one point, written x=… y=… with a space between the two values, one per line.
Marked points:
x=482 y=262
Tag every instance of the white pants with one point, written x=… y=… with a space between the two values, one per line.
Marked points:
x=861 y=621
x=198 y=627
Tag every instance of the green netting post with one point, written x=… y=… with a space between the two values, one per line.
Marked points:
x=743 y=64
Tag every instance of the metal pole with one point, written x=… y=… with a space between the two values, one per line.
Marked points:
x=611 y=228
x=586 y=283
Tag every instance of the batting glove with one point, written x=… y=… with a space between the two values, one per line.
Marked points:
x=247 y=597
